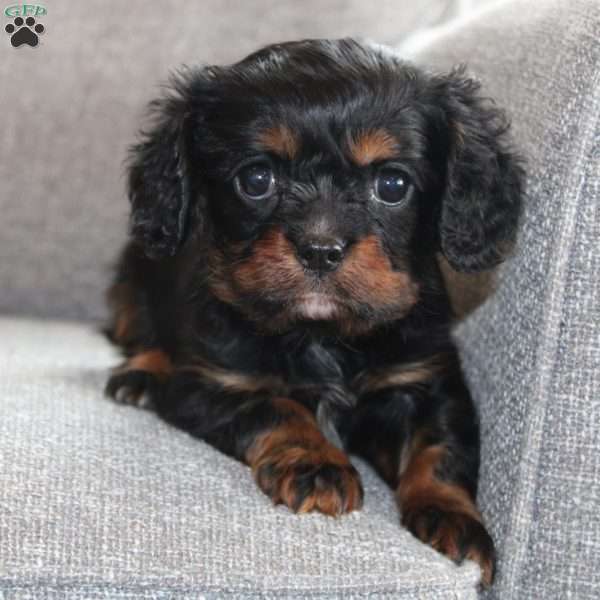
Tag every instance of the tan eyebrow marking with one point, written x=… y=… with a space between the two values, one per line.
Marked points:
x=281 y=140
x=372 y=145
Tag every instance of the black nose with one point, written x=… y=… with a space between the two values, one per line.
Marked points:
x=321 y=256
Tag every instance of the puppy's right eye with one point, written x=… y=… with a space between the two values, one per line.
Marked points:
x=391 y=186
x=255 y=182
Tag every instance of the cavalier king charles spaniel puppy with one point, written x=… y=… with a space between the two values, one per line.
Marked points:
x=284 y=294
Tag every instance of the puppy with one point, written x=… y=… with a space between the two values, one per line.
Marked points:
x=281 y=295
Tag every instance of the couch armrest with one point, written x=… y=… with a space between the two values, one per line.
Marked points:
x=532 y=351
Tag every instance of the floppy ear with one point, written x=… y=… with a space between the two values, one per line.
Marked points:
x=159 y=189
x=481 y=204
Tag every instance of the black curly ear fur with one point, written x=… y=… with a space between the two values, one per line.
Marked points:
x=482 y=201
x=159 y=189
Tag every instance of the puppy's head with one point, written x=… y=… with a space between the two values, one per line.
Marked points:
x=318 y=179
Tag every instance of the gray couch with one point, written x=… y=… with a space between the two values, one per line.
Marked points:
x=106 y=501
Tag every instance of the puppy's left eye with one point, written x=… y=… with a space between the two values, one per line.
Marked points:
x=255 y=182
x=391 y=186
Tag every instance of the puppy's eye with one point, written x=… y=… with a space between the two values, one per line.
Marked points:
x=391 y=186
x=255 y=182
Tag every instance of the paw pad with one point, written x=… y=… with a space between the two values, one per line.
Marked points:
x=24 y=32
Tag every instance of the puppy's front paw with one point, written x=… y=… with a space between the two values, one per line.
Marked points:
x=454 y=534
x=138 y=380
x=307 y=479
x=131 y=387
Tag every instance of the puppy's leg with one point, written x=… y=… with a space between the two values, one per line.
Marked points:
x=425 y=444
x=133 y=327
x=147 y=366
x=277 y=437
x=440 y=510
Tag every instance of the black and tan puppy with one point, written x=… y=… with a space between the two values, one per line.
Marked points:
x=281 y=295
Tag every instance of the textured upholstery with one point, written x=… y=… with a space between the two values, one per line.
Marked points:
x=532 y=353
x=99 y=500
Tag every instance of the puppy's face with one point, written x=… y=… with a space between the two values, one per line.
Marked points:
x=319 y=179
x=315 y=206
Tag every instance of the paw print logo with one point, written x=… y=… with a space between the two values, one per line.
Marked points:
x=24 y=32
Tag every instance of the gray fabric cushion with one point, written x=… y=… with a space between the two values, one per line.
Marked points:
x=71 y=107
x=100 y=500
x=532 y=353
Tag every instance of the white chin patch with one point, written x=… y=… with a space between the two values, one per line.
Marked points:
x=316 y=306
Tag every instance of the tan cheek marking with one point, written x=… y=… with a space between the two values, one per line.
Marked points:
x=280 y=140
x=370 y=146
x=272 y=266
x=367 y=275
